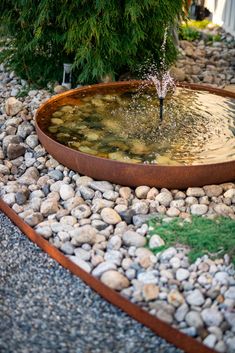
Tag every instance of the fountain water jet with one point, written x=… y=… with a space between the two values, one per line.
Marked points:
x=162 y=84
x=161 y=78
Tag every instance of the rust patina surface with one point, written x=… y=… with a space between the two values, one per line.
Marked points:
x=124 y=173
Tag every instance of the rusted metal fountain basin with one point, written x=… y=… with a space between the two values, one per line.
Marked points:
x=124 y=173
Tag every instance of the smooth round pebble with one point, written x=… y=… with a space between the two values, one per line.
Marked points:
x=110 y=216
x=114 y=280
x=66 y=192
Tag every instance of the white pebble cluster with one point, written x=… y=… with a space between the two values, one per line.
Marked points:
x=102 y=227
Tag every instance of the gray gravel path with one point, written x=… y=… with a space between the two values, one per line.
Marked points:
x=44 y=308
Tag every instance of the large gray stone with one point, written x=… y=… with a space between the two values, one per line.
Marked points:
x=223 y=209
x=15 y=150
x=167 y=254
x=182 y=274
x=103 y=267
x=114 y=280
x=81 y=211
x=4 y=169
x=212 y=316
x=131 y=238
x=80 y=263
x=140 y=207
x=156 y=241
x=230 y=293
x=10 y=139
x=33 y=219
x=210 y=340
x=142 y=191
x=181 y=312
x=230 y=317
x=193 y=318
x=198 y=209
x=195 y=192
x=110 y=216
x=67 y=248
x=45 y=231
x=25 y=129
x=195 y=298
x=164 y=198
x=85 y=234
x=66 y=192
x=49 y=206
x=101 y=185
x=32 y=141
x=29 y=177
x=140 y=219
x=213 y=190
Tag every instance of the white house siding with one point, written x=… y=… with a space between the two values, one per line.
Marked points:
x=223 y=13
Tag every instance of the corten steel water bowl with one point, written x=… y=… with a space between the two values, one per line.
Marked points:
x=125 y=173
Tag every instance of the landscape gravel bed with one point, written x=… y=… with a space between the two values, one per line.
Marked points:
x=45 y=309
x=208 y=62
x=102 y=227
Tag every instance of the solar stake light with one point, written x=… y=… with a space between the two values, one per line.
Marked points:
x=67 y=76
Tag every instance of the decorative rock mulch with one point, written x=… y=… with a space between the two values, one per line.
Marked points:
x=102 y=227
x=209 y=63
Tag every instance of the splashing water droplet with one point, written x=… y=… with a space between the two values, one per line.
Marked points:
x=162 y=80
x=162 y=83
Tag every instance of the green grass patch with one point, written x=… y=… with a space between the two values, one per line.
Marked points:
x=203 y=236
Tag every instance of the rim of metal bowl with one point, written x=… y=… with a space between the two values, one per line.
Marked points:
x=127 y=173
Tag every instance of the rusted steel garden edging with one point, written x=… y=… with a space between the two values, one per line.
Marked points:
x=179 y=339
x=123 y=173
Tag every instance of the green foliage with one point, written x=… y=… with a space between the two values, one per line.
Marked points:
x=217 y=38
x=192 y=29
x=213 y=38
x=202 y=235
x=188 y=33
x=199 y=24
x=99 y=37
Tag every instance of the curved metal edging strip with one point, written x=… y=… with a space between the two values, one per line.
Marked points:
x=187 y=343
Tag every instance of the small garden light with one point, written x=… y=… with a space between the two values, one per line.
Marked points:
x=67 y=76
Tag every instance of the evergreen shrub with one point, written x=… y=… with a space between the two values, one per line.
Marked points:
x=100 y=37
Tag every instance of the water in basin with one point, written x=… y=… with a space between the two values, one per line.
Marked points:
x=197 y=128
